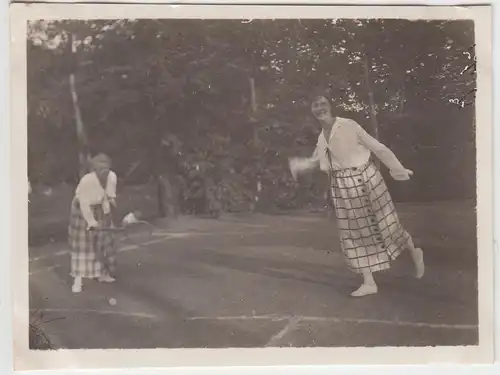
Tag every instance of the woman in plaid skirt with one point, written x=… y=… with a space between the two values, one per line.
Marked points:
x=92 y=251
x=371 y=235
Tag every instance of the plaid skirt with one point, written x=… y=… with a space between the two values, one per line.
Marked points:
x=92 y=252
x=371 y=235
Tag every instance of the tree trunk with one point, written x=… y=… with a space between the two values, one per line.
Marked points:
x=371 y=96
x=168 y=199
x=402 y=96
x=80 y=129
x=371 y=100
x=253 y=96
x=161 y=197
x=256 y=140
x=83 y=149
x=155 y=162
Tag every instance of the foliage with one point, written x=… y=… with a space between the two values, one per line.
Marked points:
x=172 y=96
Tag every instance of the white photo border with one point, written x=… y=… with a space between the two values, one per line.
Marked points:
x=151 y=358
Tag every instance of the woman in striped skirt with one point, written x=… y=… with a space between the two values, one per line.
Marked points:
x=92 y=251
x=371 y=235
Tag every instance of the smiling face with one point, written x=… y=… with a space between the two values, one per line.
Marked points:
x=321 y=109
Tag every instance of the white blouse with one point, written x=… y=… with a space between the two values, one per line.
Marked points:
x=349 y=146
x=90 y=192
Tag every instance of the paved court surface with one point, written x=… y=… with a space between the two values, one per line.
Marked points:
x=256 y=280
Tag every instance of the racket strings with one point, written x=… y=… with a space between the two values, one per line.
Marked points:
x=135 y=233
x=138 y=233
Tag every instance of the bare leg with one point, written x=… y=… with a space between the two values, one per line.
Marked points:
x=368 y=277
x=418 y=258
x=368 y=287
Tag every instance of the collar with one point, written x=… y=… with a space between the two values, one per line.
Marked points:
x=322 y=139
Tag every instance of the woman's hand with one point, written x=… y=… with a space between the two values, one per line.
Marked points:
x=401 y=174
x=302 y=165
x=294 y=165
x=112 y=201
x=92 y=225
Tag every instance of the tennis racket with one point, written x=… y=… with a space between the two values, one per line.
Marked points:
x=136 y=233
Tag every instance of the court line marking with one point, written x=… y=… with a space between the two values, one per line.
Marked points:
x=45 y=269
x=291 y=326
x=93 y=311
x=121 y=249
x=242 y=317
x=335 y=319
x=164 y=236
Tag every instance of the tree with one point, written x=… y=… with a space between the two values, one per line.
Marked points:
x=231 y=97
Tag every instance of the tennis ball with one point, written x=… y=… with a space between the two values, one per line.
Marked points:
x=112 y=301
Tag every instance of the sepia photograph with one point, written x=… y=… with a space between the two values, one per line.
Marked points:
x=266 y=182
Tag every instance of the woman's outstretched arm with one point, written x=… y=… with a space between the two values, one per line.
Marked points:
x=386 y=156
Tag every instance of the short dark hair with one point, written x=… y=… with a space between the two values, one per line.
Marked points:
x=319 y=92
x=315 y=98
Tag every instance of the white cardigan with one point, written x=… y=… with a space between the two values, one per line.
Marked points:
x=90 y=192
x=349 y=146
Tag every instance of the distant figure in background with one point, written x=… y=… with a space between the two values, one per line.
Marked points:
x=92 y=251
x=196 y=193
x=213 y=198
x=170 y=196
x=371 y=235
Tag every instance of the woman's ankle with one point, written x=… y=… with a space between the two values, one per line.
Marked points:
x=368 y=278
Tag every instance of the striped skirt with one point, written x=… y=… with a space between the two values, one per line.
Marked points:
x=371 y=235
x=92 y=252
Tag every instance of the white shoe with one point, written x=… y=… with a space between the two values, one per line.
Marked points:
x=77 y=286
x=365 y=290
x=419 y=264
x=106 y=279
